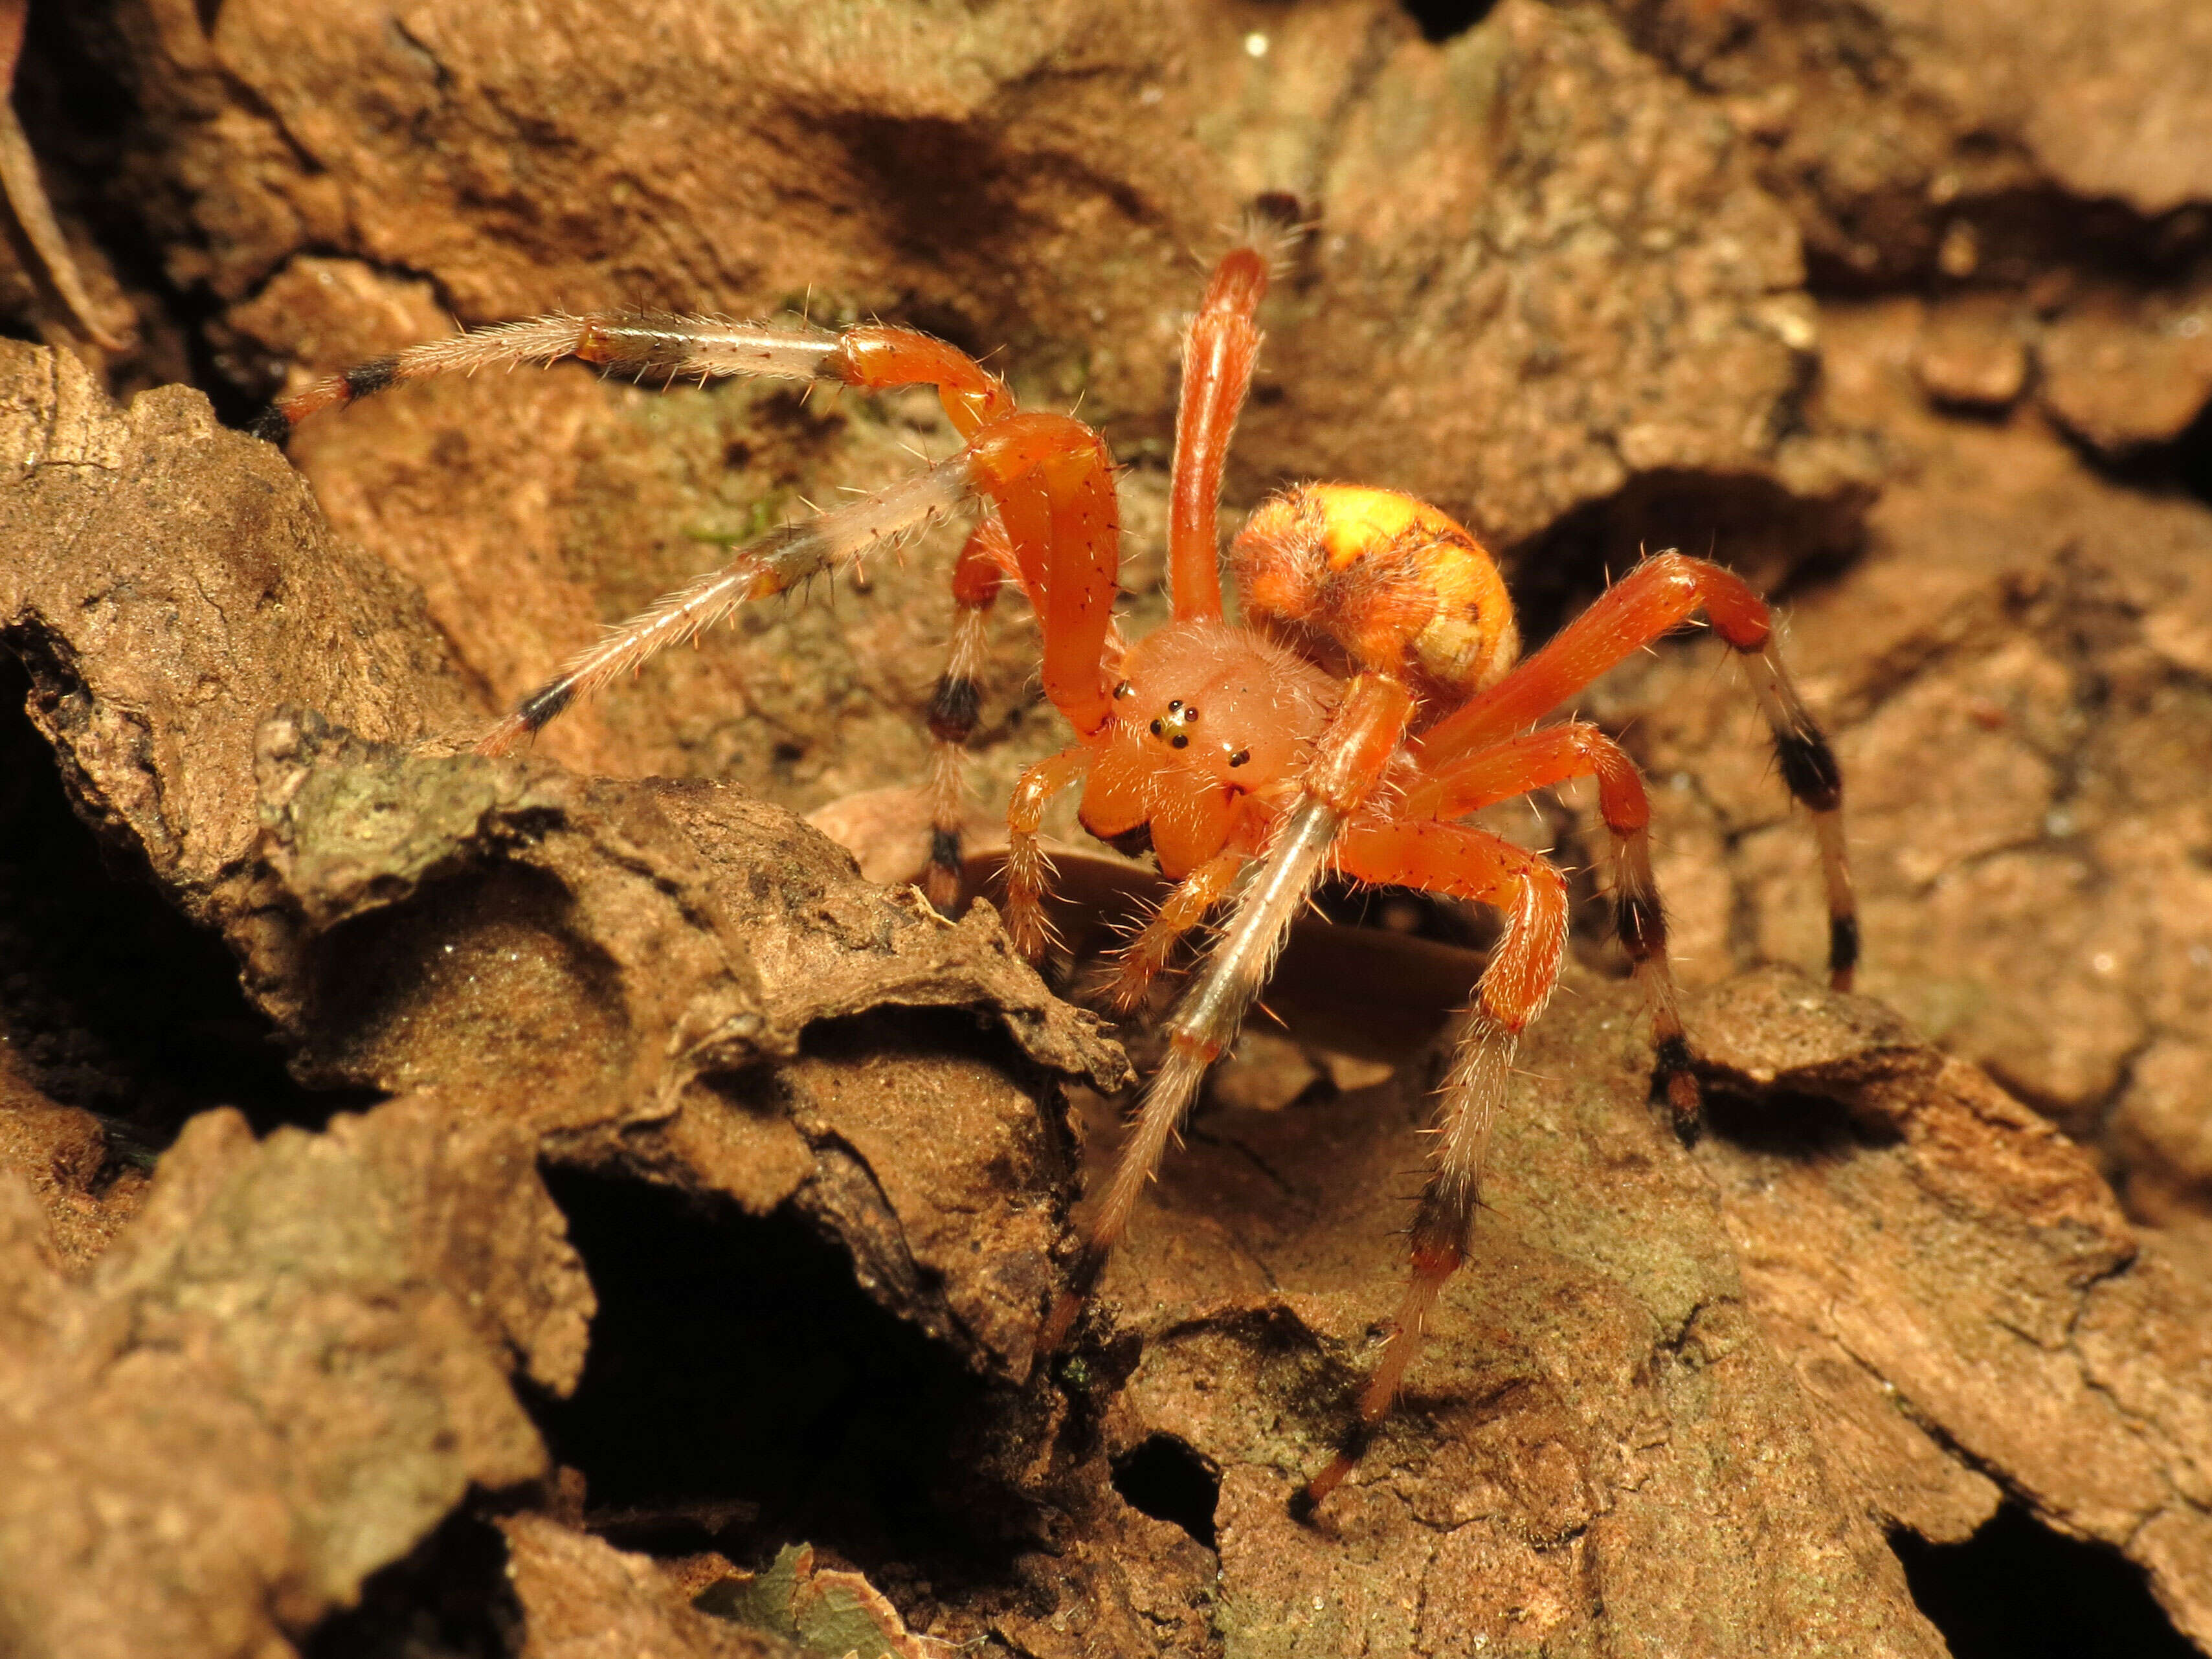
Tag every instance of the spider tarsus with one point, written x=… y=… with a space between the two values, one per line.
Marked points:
x=1842 y=950
x=941 y=882
x=1674 y=1079
x=272 y=425
x=1067 y=1306
x=543 y=707
x=1305 y=1503
x=502 y=738
x=1684 y=1101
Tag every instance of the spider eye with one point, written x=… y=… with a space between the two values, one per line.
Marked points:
x=1174 y=705
x=1240 y=758
x=1189 y=716
x=1158 y=730
x=1122 y=689
x=1178 y=741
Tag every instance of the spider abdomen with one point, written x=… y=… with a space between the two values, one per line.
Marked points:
x=1393 y=585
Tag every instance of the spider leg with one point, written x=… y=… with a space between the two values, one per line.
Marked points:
x=1148 y=954
x=1218 y=350
x=976 y=578
x=1550 y=755
x=1026 y=868
x=1348 y=762
x=1052 y=481
x=1522 y=971
x=669 y=350
x=639 y=348
x=1049 y=478
x=770 y=565
x=1664 y=592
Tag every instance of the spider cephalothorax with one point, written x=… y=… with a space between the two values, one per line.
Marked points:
x=1210 y=728
x=1372 y=699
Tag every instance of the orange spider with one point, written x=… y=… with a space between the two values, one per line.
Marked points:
x=1371 y=699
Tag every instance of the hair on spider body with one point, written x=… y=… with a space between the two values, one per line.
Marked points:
x=1373 y=697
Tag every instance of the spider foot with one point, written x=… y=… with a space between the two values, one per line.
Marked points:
x=941 y=882
x=1305 y=1503
x=1067 y=1307
x=1674 y=1080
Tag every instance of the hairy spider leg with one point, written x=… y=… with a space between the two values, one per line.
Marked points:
x=670 y=348
x=1466 y=863
x=977 y=576
x=1349 y=761
x=639 y=348
x=1552 y=754
x=1027 y=869
x=870 y=359
x=772 y=564
x=1219 y=351
x=1146 y=955
x=1052 y=480
x=1659 y=595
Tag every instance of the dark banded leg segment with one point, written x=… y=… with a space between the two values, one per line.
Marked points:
x=1809 y=767
x=977 y=575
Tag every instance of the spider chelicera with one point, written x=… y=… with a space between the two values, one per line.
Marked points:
x=1372 y=697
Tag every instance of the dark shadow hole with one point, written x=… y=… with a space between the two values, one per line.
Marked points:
x=2181 y=465
x=1407 y=911
x=2018 y=1590
x=742 y=1392
x=2020 y=235
x=109 y=999
x=449 y=1596
x=1166 y=1480
x=1777 y=541
x=1784 y=1124
x=78 y=95
x=1441 y=20
x=2191 y=456
x=940 y=186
